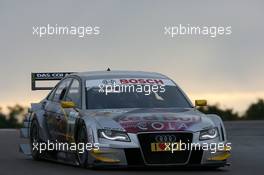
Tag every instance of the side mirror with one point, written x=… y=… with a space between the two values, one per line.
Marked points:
x=67 y=104
x=200 y=102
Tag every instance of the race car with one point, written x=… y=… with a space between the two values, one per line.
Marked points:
x=123 y=119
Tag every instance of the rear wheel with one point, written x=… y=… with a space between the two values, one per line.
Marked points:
x=82 y=139
x=35 y=140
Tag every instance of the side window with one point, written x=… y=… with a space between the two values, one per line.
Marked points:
x=74 y=93
x=61 y=90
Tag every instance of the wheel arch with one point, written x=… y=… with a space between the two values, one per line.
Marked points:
x=90 y=128
x=40 y=118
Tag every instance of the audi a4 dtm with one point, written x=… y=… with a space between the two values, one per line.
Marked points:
x=121 y=118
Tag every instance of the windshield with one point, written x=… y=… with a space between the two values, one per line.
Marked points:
x=171 y=97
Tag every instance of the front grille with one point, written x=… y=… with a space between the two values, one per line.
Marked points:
x=164 y=157
x=134 y=157
x=196 y=157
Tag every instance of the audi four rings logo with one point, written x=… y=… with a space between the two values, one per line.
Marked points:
x=165 y=138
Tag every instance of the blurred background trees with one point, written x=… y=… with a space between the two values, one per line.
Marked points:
x=255 y=111
x=14 y=116
x=225 y=114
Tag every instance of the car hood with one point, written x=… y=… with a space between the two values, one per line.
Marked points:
x=151 y=120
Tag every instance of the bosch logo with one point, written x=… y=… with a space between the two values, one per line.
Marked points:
x=165 y=138
x=141 y=81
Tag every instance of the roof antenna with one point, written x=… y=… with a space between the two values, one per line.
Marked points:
x=108 y=69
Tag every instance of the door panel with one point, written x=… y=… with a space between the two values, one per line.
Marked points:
x=66 y=125
x=54 y=111
x=65 y=132
x=51 y=108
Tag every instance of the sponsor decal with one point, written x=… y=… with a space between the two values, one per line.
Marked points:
x=141 y=81
x=157 y=122
x=128 y=81
x=50 y=76
x=105 y=82
x=157 y=147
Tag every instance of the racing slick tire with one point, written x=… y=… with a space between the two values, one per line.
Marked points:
x=82 y=139
x=35 y=139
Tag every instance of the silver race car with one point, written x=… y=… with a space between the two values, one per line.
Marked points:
x=121 y=118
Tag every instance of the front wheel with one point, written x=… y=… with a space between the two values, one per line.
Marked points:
x=35 y=140
x=82 y=154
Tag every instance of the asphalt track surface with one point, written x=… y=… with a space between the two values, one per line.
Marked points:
x=247 y=138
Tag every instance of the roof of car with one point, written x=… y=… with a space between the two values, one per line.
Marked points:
x=118 y=74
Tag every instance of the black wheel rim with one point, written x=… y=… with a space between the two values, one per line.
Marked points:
x=34 y=138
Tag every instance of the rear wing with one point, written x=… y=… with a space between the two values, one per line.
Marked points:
x=46 y=76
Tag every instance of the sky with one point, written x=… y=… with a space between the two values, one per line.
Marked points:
x=226 y=70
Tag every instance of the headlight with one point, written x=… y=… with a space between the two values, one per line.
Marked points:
x=113 y=135
x=208 y=134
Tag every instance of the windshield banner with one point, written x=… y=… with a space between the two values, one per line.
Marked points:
x=129 y=81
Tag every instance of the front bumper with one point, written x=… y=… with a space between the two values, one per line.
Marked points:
x=133 y=157
x=130 y=154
